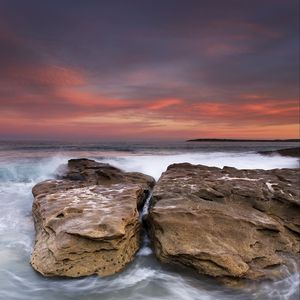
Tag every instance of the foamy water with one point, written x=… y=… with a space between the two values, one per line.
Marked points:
x=154 y=165
x=145 y=278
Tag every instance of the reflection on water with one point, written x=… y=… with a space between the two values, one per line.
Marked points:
x=145 y=278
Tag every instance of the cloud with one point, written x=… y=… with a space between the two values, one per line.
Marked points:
x=47 y=75
x=165 y=68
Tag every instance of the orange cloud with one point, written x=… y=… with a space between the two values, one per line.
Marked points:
x=274 y=108
x=74 y=107
x=164 y=103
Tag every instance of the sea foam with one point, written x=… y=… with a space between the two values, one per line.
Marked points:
x=154 y=165
x=145 y=278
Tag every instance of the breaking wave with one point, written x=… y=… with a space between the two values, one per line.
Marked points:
x=145 y=278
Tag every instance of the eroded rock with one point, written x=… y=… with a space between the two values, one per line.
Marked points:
x=226 y=222
x=87 y=222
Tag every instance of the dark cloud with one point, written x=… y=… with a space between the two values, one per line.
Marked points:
x=141 y=52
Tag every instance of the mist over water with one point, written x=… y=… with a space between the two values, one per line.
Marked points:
x=154 y=165
x=23 y=165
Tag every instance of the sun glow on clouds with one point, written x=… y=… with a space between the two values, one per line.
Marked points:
x=193 y=74
x=94 y=115
x=157 y=119
x=164 y=103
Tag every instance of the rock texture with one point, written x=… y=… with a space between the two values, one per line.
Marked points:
x=87 y=221
x=226 y=223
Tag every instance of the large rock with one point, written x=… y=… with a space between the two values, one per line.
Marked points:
x=226 y=222
x=87 y=222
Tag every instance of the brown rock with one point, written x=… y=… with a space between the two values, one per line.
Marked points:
x=87 y=221
x=226 y=222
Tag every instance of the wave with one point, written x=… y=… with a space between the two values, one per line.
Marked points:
x=30 y=170
x=154 y=165
x=145 y=278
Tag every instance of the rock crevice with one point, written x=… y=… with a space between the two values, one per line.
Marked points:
x=226 y=223
x=87 y=220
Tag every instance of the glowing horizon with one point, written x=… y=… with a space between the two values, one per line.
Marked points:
x=127 y=72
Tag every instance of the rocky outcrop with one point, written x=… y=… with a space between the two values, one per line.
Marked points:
x=87 y=221
x=291 y=152
x=226 y=223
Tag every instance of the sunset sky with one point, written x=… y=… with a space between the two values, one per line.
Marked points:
x=149 y=69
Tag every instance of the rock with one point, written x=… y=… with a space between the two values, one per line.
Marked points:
x=292 y=152
x=87 y=221
x=226 y=223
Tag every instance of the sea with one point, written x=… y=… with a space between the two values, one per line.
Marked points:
x=23 y=164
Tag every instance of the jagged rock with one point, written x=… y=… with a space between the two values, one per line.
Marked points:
x=226 y=223
x=87 y=221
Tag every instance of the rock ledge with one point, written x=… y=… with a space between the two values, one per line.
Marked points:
x=87 y=222
x=226 y=223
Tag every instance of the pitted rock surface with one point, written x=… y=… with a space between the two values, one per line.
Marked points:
x=226 y=222
x=87 y=222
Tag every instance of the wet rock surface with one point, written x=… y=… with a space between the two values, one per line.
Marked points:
x=227 y=223
x=87 y=221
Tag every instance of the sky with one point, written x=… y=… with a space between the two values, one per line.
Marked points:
x=149 y=69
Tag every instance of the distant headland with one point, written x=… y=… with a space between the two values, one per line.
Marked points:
x=243 y=140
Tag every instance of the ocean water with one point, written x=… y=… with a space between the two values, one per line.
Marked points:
x=23 y=164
